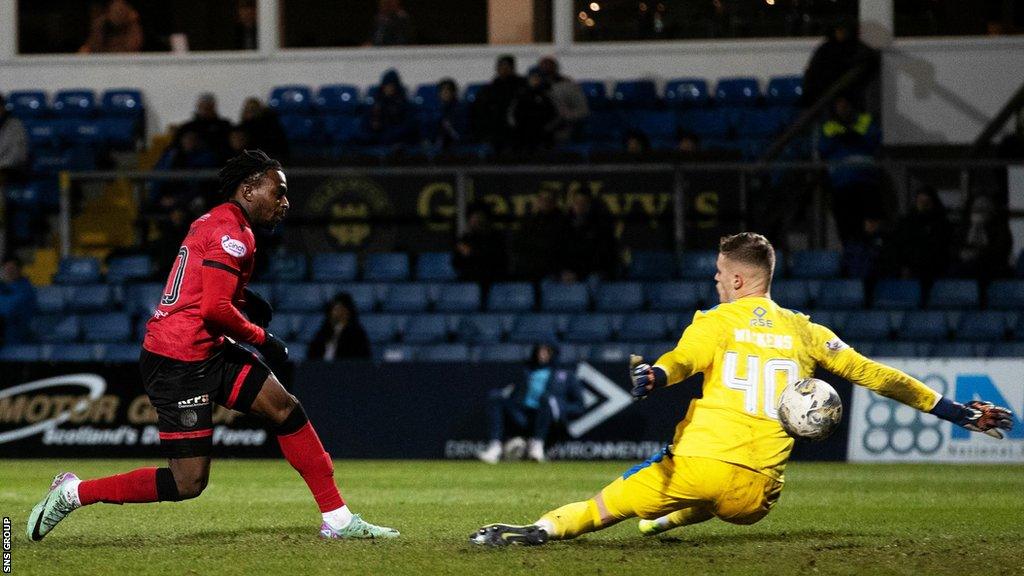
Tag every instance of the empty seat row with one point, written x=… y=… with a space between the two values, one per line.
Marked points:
x=76 y=103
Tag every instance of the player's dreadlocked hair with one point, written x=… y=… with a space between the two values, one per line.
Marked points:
x=246 y=168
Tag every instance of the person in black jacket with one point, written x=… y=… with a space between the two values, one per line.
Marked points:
x=841 y=52
x=342 y=336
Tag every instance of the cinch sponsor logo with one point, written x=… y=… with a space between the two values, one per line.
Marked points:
x=43 y=412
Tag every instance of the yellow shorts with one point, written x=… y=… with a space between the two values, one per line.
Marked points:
x=666 y=483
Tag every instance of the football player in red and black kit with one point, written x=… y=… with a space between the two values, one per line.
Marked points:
x=190 y=360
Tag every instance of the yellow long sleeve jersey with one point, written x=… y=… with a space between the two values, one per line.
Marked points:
x=748 y=350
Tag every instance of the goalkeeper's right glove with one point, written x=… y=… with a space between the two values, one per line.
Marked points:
x=976 y=416
x=645 y=378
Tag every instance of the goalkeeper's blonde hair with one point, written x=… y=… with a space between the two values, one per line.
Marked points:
x=749 y=248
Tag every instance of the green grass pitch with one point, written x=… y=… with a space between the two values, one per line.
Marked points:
x=256 y=517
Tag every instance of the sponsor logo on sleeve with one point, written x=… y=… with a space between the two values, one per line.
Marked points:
x=234 y=247
x=835 y=345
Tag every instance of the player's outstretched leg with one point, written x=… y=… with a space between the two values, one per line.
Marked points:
x=684 y=517
x=301 y=446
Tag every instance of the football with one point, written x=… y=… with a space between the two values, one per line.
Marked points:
x=810 y=409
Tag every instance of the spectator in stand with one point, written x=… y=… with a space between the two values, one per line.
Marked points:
x=17 y=302
x=851 y=135
x=841 y=52
x=246 y=35
x=13 y=146
x=390 y=121
x=392 y=26
x=452 y=124
x=636 y=143
x=238 y=141
x=211 y=129
x=342 y=336
x=480 y=255
x=987 y=241
x=115 y=27
x=868 y=255
x=923 y=236
x=590 y=248
x=534 y=114
x=568 y=99
x=687 y=143
x=492 y=117
x=263 y=129
x=186 y=153
x=170 y=224
x=540 y=241
x=548 y=393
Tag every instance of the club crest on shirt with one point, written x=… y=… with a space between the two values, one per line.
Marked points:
x=234 y=247
x=835 y=345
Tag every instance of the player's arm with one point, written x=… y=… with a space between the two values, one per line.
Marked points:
x=838 y=358
x=694 y=352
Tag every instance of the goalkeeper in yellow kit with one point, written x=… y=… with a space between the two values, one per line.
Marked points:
x=729 y=452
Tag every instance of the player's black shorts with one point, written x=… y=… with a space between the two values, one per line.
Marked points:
x=183 y=394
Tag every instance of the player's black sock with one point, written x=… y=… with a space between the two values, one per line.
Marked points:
x=166 y=487
x=293 y=423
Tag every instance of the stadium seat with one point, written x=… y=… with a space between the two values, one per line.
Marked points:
x=89 y=298
x=591 y=328
x=953 y=294
x=482 y=328
x=45 y=133
x=903 y=349
x=785 y=90
x=708 y=124
x=982 y=326
x=27 y=103
x=299 y=297
x=867 y=325
x=897 y=295
x=85 y=132
x=288 y=99
x=596 y=93
x=1006 y=350
x=306 y=328
x=644 y=327
x=74 y=352
x=74 y=103
x=50 y=299
x=604 y=126
x=674 y=296
x=381 y=328
x=107 y=327
x=612 y=352
x=334 y=267
x=635 y=94
x=822 y=264
x=122 y=353
x=699 y=265
x=365 y=296
x=955 y=350
x=301 y=128
x=472 y=91
x=534 y=328
x=426 y=329
x=386 y=267
x=405 y=298
x=686 y=92
x=341 y=129
x=840 y=295
x=286 y=267
x=794 y=294
x=619 y=297
x=142 y=299
x=285 y=324
x=737 y=92
x=22 y=353
x=557 y=297
x=119 y=133
x=338 y=98
x=443 y=353
x=127 y=268
x=77 y=270
x=653 y=266
x=55 y=328
x=501 y=353
x=426 y=97
x=761 y=123
x=657 y=125
x=569 y=353
x=1006 y=294
x=510 y=297
x=927 y=326
x=126 y=102
x=396 y=353
x=435 y=267
x=461 y=297
x=834 y=320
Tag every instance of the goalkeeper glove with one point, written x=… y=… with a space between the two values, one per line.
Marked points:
x=644 y=377
x=257 y=309
x=976 y=416
x=273 y=350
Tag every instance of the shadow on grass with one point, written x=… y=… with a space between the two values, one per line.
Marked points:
x=811 y=538
x=304 y=533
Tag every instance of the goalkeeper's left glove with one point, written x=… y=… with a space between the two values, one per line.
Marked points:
x=257 y=309
x=976 y=416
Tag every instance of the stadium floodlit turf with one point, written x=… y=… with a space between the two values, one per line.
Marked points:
x=256 y=517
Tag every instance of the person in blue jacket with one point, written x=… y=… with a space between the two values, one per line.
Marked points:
x=548 y=393
x=17 y=303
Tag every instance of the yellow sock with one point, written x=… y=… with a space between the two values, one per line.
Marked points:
x=571 y=520
x=685 y=517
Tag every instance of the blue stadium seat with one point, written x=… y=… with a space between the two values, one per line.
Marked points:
x=708 y=124
x=897 y=295
x=591 y=328
x=45 y=133
x=657 y=125
x=564 y=297
x=294 y=98
x=365 y=296
x=89 y=298
x=1006 y=350
x=955 y=350
x=299 y=297
x=426 y=329
x=534 y=328
x=674 y=296
x=840 y=295
x=395 y=353
x=386 y=267
x=435 y=267
x=461 y=297
x=53 y=161
x=604 y=126
x=924 y=326
x=77 y=270
x=982 y=326
x=653 y=266
x=126 y=102
x=119 y=133
x=612 y=352
x=619 y=297
x=74 y=103
x=142 y=299
x=126 y=268
x=833 y=320
x=286 y=267
x=306 y=328
x=472 y=91
x=737 y=92
x=501 y=353
x=1006 y=294
x=785 y=90
x=953 y=294
x=107 y=327
x=699 y=265
x=382 y=327
x=482 y=328
x=27 y=103
x=285 y=324
x=761 y=122
x=21 y=353
x=444 y=353
x=335 y=267
x=85 y=132
x=406 y=298
x=596 y=93
x=867 y=325
x=55 y=328
x=510 y=297
x=338 y=98
x=902 y=350
x=569 y=353
x=341 y=129
x=301 y=128
x=123 y=353
x=686 y=92
x=50 y=299
x=824 y=264
x=794 y=294
x=644 y=327
x=74 y=352
x=635 y=94
x=426 y=97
